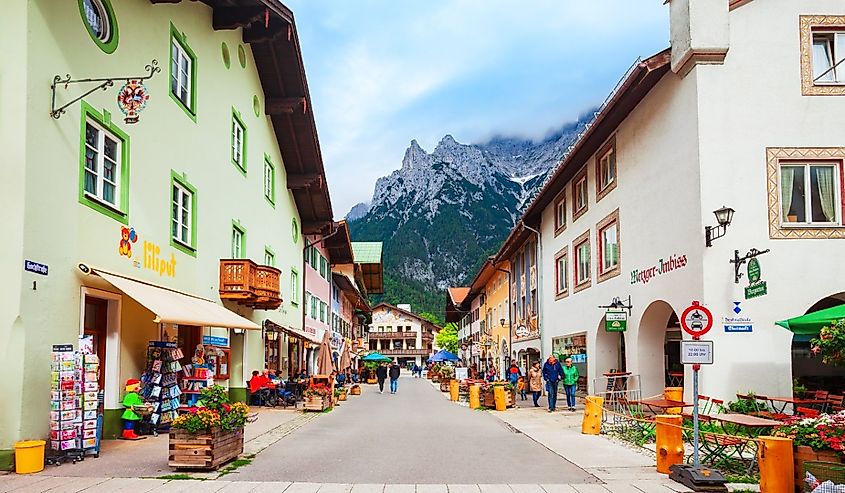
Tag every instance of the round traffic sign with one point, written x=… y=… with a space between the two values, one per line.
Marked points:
x=696 y=320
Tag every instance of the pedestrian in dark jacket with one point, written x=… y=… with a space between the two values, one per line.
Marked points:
x=394 y=377
x=381 y=375
x=552 y=374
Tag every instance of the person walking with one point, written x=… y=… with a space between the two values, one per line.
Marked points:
x=381 y=375
x=552 y=374
x=570 y=382
x=513 y=374
x=394 y=377
x=535 y=382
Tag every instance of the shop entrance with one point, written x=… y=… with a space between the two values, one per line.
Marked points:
x=659 y=349
x=95 y=322
x=188 y=337
x=810 y=371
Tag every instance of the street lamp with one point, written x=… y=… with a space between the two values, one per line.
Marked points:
x=724 y=216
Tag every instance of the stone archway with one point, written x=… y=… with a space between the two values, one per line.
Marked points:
x=652 y=346
x=610 y=350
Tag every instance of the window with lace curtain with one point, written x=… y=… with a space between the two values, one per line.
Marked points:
x=810 y=194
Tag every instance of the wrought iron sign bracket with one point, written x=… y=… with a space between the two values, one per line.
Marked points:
x=102 y=84
x=618 y=304
x=739 y=261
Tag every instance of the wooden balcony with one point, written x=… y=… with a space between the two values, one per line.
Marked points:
x=393 y=335
x=250 y=284
x=405 y=352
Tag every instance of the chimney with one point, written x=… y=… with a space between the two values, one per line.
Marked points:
x=700 y=33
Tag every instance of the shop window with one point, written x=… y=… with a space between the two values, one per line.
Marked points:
x=294 y=287
x=238 y=241
x=580 y=195
x=606 y=170
x=608 y=245
x=805 y=192
x=269 y=181
x=822 y=55
x=239 y=142
x=560 y=213
x=183 y=214
x=582 y=267
x=183 y=73
x=561 y=273
x=104 y=165
x=100 y=22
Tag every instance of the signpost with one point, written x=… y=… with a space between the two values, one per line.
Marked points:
x=696 y=320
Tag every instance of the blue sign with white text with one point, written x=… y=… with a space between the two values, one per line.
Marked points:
x=215 y=341
x=30 y=266
x=738 y=328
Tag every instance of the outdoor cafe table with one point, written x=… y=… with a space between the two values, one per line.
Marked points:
x=785 y=401
x=661 y=404
x=735 y=443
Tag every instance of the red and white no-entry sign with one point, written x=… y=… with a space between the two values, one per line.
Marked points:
x=696 y=320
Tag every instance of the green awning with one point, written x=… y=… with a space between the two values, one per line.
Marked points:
x=811 y=323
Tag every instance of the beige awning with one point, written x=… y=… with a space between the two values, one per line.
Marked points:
x=174 y=307
x=291 y=331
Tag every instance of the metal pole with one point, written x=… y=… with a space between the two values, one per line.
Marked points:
x=696 y=459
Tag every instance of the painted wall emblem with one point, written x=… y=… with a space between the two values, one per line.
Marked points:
x=132 y=99
x=127 y=237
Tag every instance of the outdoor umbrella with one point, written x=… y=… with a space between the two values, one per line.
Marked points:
x=345 y=362
x=377 y=357
x=443 y=355
x=810 y=324
x=324 y=361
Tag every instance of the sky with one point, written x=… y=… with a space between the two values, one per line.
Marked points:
x=384 y=72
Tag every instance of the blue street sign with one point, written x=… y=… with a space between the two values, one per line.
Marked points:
x=35 y=267
x=739 y=328
x=215 y=341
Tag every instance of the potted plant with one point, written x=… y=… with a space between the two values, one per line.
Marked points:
x=830 y=344
x=371 y=367
x=355 y=389
x=317 y=398
x=447 y=373
x=340 y=394
x=815 y=439
x=210 y=434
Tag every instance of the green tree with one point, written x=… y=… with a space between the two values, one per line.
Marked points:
x=431 y=318
x=448 y=338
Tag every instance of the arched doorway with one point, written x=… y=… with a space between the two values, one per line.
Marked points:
x=810 y=371
x=610 y=350
x=659 y=349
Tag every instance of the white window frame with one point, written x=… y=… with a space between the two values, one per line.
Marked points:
x=808 y=211
x=580 y=185
x=237 y=242
x=269 y=258
x=183 y=206
x=182 y=93
x=238 y=132
x=294 y=287
x=606 y=178
x=560 y=213
x=269 y=181
x=833 y=48
x=324 y=267
x=99 y=173
x=562 y=273
x=578 y=277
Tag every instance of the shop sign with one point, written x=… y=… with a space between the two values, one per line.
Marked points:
x=461 y=373
x=578 y=358
x=756 y=287
x=35 y=267
x=663 y=266
x=697 y=352
x=522 y=331
x=696 y=320
x=215 y=341
x=615 y=321
x=153 y=259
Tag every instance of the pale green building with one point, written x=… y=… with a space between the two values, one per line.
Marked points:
x=130 y=221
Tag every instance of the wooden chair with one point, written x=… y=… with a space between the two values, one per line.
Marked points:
x=705 y=404
x=807 y=412
x=835 y=402
x=822 y=395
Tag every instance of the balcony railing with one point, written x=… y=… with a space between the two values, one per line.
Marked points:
x=250 y=284
x=405 y=352
x=393 y=335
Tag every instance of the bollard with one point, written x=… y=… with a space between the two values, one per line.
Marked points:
x=673 y=394
x=670 y=442
x=777 y=469
x=591 y=425
x=499 y=398
x=474 y=396
x=454 y=390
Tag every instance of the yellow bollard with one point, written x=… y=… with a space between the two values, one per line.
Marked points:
x=777 y=469
x=591 y=425
x=670 y=442
x=499 y=398
x=673 y=394
x=474 y=396
x=454 y=390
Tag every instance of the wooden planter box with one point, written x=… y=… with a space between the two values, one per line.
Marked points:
x=444 y=385
x=318 y=404
x=488 y=401
x=207 y=450
x=355 y=390
x=802 y=454
x=342 y=396
x=435 y=378
x=372 y=381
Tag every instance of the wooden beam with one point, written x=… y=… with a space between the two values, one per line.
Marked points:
x=315 y=227
x=281 y=106
x=235 y=17
x=300 y=181
x=258 y=32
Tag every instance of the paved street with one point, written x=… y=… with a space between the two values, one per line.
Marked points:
x=415 y=436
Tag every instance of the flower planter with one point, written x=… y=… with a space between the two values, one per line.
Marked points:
x=444 y=385
x=802 y=454
x=371 y=381
x=355 y=390
x=342 y=396
x=435 y=378
x=317 y=403
x=488 y=401
x=208 y=450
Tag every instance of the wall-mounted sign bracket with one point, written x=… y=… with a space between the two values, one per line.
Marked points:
x=739 y=261
x=102 y=84
x=618 y=304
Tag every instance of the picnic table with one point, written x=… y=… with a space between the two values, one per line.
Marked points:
x=736 y=442
x=661 y=404
x=785 y=401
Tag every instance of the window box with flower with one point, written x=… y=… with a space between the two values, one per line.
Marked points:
x=815 y=439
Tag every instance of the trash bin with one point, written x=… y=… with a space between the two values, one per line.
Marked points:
x=29 y=456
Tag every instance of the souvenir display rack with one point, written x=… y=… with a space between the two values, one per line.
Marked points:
x=161 y=382
x=88 y=388
x=197 y=377
x=75 y=403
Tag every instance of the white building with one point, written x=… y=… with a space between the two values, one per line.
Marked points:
x=742 y=111
x=402 y=335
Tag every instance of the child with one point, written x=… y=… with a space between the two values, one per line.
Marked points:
x=520 y=386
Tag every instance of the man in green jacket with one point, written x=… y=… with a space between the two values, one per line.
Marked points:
x=570 y=382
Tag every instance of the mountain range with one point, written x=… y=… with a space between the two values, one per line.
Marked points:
x=442 y=213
